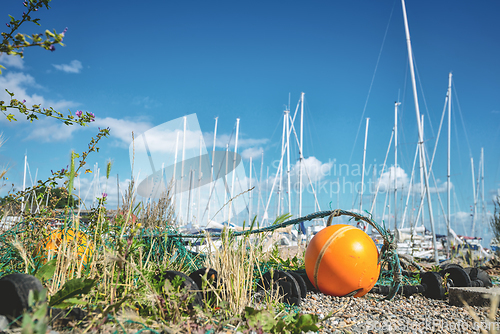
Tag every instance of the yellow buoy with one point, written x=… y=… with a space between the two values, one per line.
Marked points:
x=74 y=242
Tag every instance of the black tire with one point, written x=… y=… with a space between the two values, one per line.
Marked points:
x=284 y=283
x=14 y=291
x=301 y=282
x=187 y=284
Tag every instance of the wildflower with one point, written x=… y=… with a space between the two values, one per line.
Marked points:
x=92 y=116
x=52 y=48
x=104 y=195
x=79 y=113
x=8 y=25
x=24 y=101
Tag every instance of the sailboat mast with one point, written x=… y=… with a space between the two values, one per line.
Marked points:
x=182 y=167
x=474 y=197
x=483 y=216
x=287 y=113
x=259 y=199
x=280 y=171
x=198 y=205
x=363 y=168
x=396 y=104
x=420 y=129
x=24 y=182
x=448 y=183
x=250 y=194
x=234 y=163
x=301 y=156
x=212 y=183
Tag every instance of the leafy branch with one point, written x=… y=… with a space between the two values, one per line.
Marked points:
x=15 y=44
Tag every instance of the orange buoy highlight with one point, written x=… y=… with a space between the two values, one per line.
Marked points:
x=78 y=242
x=341 y=259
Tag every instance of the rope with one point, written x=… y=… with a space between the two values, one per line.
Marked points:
x=171 y=242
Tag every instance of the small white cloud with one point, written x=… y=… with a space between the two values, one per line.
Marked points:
x=252 y=152
x=146 y=102
x=11 y=61
x=50 y=130
x=75 y=66
x=386 y=180
x=122 y=129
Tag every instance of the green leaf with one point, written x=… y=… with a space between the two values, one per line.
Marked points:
x=70 y=302
x=11 y=118
x=47 y=270
x=71 y=289
x=307 y=322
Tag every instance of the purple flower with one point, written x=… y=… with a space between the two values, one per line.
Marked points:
x=79 y=113
x=92 y=116
x=8 y=25
x=24 y=101
x=104 y=195
x=52 y=48
x=64 y=31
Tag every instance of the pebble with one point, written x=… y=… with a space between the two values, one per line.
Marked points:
x=416 y=314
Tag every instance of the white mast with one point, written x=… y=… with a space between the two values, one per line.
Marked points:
x=287 y=113
x=475 y=197
x=363 y=168
x=420 y=129
x=259 y=199
x=396 y=104
x=279 y=173
x=212 y=183
x=182 y=167
x=198 y=205
x=250 y=194
x=234 y=162
x=482 y=186
x=24 y=181
x=448 y=183
x=301 y=157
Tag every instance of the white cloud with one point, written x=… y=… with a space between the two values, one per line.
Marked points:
x=386 y=179
x=121 y=129
x=75 y=66
x=252 y=152
x=146 y=102
x=312 y=169
x=11 y=61
x=50 y=130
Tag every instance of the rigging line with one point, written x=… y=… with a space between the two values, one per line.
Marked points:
x=461 y=117
x=402 y=131
x=423 y=96
x=371 y=83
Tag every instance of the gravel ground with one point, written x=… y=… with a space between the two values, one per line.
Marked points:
x=415 y=314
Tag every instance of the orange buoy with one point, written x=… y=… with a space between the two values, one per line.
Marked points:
x=341 y=259
x=52 y=244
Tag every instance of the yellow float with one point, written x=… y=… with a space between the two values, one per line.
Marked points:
x=74 y=241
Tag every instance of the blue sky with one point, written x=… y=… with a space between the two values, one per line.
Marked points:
x=136 y=65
